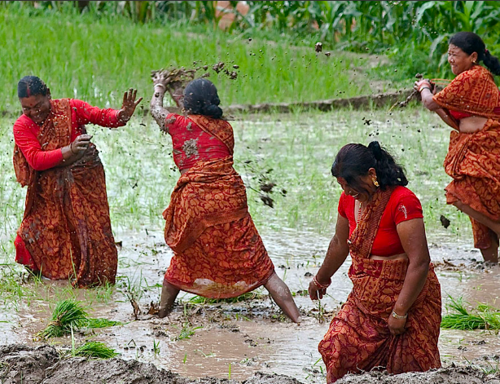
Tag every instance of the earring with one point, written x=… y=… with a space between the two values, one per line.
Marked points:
x=375 y=183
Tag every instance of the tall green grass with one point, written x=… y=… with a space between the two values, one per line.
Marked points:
x=98 y=59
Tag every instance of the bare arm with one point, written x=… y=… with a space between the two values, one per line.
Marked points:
x=412 y=236
x=424 y=87
x=158 y=112
x=335 y=257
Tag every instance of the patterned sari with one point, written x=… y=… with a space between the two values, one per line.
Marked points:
x=66 y=226
x=473 y=159
x=358 y=338
x=218 y=252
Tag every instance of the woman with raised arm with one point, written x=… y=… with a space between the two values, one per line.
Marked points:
x=66 y=230
x=218 y=252
x=470 y=104
x=392 y=316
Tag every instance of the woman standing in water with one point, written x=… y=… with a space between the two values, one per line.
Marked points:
x=66 y=230
x=218 y=252
x=392 y=316
x=470 y=104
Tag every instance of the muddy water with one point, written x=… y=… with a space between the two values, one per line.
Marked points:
x=238 y=339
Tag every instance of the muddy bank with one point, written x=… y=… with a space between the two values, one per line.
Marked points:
x=43 y=365
x=455 y=375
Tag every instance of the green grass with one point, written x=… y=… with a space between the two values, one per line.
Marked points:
x=98 y=59
x=484 y=316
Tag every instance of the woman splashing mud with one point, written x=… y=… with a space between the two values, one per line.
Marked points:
x=471 y=105
x=392 y=316
x=218 y=252
x=66 y=230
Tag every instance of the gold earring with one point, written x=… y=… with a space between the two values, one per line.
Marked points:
x=375 y=183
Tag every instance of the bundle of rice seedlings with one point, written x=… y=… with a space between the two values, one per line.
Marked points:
x=67 y=315
x=486 y=317
x=96 y=350
x=100 y=323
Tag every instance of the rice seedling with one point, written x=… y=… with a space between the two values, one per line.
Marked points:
x=69 y=315
x=156 y=347
x=249 y=296
x=95 y=349
x=483 y=316
x=187 y=331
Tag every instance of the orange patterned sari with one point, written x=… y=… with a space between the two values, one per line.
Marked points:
x=358 y=338
x=66 y=226
x=218 y=252
x=473 y=159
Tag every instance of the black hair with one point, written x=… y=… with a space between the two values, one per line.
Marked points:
x=31 y=86
x=469 y=42
x=200 y=98
x=354 y=161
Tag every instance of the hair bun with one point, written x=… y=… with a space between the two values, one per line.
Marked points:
x=212 y=110
x=374 y=146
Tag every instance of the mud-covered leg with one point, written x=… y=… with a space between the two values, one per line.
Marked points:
x=491 y=254
x=168 y=295
x=281 y=295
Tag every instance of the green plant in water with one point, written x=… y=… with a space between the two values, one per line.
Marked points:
x=70 y=315
x=187 y=331
x=156 y=347
x=484 y=316
x=96 y=350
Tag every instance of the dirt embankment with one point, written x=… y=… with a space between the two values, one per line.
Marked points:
x=43 y=365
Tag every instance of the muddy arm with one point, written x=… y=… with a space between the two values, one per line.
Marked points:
x=158 y=112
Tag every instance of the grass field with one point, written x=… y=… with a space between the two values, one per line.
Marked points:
x=97 y=60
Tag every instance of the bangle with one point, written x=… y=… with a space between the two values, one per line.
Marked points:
x=424 y=87
x=71 y=148
x=160 y=84
x=396 y=316
x=322 y=286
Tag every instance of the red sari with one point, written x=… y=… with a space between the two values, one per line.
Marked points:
x=66 y=229
x=218 y=252
x=473 y=159
x=358 y=338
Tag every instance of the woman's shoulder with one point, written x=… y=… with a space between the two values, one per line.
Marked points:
x=401 y=192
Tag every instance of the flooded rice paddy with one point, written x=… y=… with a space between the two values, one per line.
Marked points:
x=237 y=339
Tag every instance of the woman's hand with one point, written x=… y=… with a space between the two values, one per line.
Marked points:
x=421 y=84
x=80 y=145
x=129 y=105
x=396 y=326
x=316 y=292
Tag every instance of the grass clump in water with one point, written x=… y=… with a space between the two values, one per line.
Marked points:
x=70 y=315
x=96 y=350
x=484 y=316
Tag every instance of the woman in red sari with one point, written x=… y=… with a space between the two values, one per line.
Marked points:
x=66 y=230
x=470 y=104
x=218 y=252
x=392 y=316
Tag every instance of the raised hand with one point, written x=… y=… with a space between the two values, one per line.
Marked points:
x=129 y=105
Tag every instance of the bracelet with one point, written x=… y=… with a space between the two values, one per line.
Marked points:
x=322 y=286
x=71 y=148
x=396 y=316
x=424 y=87
x=161 y=85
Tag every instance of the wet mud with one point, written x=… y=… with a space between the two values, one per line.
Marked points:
x=233 y=339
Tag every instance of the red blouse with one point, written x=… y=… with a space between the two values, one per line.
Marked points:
x=191 y=144
x=26 y=132
x=402 y=206
x=459 y=114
